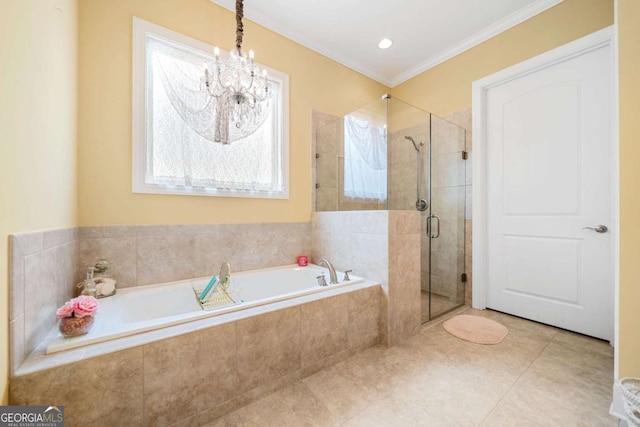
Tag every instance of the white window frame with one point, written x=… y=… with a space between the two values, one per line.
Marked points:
x=141 y=29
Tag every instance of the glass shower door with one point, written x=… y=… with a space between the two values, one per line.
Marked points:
x=445 y=222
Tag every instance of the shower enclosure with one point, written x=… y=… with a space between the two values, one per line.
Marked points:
x=389 y=155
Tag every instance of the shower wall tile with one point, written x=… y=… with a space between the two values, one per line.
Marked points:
x=404 y=222
x=446 y=137
x=357 y=204
x=448 y=170
x=469 y=285
x=327 y=171
x=327 y=199
x=469 y=168
x=326 y=142
x=404 y=303
x=404 y=257
x=468 y=206
x=404 y=311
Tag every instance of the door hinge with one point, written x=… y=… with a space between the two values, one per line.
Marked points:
x=464 y=278
x=465 y=155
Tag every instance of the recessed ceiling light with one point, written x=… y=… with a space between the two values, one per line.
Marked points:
x=385 y=44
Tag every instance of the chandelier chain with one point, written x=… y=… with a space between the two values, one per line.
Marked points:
x=239 y=26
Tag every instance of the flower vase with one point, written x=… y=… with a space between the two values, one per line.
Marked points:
x=74 y=326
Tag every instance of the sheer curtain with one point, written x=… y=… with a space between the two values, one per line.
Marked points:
x=365 y=159
x=182 y=127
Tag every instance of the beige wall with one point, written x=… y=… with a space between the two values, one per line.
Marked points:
x=447 y=87
x=105 y=118
x=629 y=60
x=38 y=53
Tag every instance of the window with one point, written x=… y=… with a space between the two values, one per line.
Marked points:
x=174 y=122
x=365 y=159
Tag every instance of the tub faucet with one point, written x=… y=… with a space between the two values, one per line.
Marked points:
x=333 y=277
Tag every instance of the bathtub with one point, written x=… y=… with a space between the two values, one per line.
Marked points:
x=145 y=308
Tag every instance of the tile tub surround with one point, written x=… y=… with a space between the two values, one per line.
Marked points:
x=194 y=377
x=42 y=276
x=383 y=246
x=46 y=265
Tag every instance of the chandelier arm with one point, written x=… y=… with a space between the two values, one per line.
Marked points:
x=239 y=26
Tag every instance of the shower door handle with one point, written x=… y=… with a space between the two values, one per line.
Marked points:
x=430 y=219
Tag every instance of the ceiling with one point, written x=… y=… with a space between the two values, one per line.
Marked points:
x=424 y=32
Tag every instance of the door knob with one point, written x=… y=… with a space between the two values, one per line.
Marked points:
x=597 y=228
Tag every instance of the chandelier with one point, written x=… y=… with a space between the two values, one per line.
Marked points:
x=239 y=88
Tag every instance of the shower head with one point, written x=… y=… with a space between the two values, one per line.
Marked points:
x=416 y=146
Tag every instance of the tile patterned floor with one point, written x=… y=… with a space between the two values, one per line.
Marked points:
x=538 y=376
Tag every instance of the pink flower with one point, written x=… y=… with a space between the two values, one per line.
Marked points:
x=66 y=310
x=85 y=306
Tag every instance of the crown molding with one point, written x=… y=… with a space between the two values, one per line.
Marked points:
x=504 y=24
x=481 y=36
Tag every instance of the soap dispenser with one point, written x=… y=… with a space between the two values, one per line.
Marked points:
x=89 y=285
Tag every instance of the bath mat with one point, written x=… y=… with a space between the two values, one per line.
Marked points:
x=476 y=329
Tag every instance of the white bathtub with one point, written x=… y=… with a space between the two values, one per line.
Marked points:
x=145 y=308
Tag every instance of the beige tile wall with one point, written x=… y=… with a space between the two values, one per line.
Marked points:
x=143 y=255
x=403 y=166
x=42 y=277
x=190 y=379
x=326 y=143
x=383 y=246
x=450 y=190
x=327 y=168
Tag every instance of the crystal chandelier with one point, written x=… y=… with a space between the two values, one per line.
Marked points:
x=239 y=89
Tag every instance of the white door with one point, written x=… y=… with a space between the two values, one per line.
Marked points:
x=549 y=175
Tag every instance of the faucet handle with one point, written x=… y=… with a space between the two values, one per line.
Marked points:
x=346 y=277
x=321 y=280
